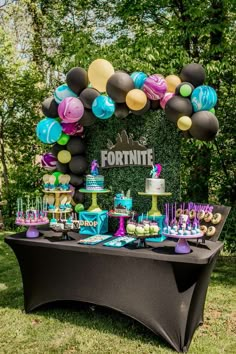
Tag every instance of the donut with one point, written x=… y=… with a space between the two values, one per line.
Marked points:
x=208 y=217
x=178 y=212
x=200 y=214
x=186 y=212
x=192 y=214
x=216 y=218
x=203 y=229
x=211 y=231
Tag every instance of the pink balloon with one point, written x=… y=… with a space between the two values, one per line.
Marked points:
x=48 y=161
x=71 y=109
x=155 y=87
x=72 y=128
x=167 y=96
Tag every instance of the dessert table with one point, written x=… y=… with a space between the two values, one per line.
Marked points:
x=163 y=290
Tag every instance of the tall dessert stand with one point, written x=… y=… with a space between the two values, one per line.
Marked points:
x=57 y=203
x=94 y=206
x=121 y=231
x=154 y=211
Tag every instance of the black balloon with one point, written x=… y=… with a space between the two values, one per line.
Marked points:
x=88 y=118
x=193 y=73
x=143 y=110
x=77 y=79
x=118 y=85
x=62 y=167
x=191 y=88
x=78 y=197
x=56 y=148
x=76 y=180
x=154 y=105
x=76 y=145
x=177 y=107
x=78 y=165
x=87 y=96
x=122 y=110
x=205 y=126
x=49 y=107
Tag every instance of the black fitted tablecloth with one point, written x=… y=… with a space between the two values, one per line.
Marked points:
x=164 y=291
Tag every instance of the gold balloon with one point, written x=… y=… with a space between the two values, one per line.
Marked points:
x=136 y=99
x=184 y=123
x=99 y=71
x=64 y=156
x=172 y=82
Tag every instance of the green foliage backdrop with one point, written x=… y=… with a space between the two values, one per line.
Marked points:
x=161 y=135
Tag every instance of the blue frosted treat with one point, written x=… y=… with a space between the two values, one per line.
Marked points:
x=123 y=204
x=203 y=98
x=138 y=78
x=62 y=92
x=94 y=183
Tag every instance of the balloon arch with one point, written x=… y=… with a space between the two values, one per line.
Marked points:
x=103 y=92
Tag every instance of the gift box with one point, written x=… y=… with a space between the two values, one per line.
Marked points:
x=93 y=223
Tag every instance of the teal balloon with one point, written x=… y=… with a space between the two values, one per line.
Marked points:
x=62 y=92
x=48 y=130
x=138 y=78
x=103 y=107
x=203 y=98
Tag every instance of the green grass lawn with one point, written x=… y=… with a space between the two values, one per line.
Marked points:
x=86 y=329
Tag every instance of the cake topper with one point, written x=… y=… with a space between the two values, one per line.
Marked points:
x=156 y=170
x=94 y=168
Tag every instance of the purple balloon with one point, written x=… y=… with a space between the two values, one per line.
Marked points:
x=49 y=161
x=155 y=87
x=72 y=128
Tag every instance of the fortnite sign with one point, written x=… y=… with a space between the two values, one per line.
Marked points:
x=126 y=152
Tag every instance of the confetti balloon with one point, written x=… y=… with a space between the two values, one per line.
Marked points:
x=138 y=78
x=103 y=107
x=62 y=92
x=99 y=71
x=203 y=98
x=48 y=130
x=167 y=96
x=48 y=161
x=155 y=87
x=71 y=109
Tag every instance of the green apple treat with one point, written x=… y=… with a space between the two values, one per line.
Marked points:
x=130 y=227
x=154 y=228
x=146 y=225
x=139 y=231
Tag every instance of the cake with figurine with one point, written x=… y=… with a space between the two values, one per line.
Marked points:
x=155 y=185
x=123 y=203
x=94 y=181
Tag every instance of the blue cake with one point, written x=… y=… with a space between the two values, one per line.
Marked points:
x=123 y=204
x=94 y=183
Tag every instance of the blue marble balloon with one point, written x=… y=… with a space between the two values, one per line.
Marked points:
x=138 y=78
x=103 y=107
x=203 y=98
x=62 y=92
x=48 y=130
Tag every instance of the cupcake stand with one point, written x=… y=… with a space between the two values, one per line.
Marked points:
x=94 y=206
x=57 y=203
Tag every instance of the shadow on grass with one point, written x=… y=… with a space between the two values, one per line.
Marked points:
x=86 y=315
